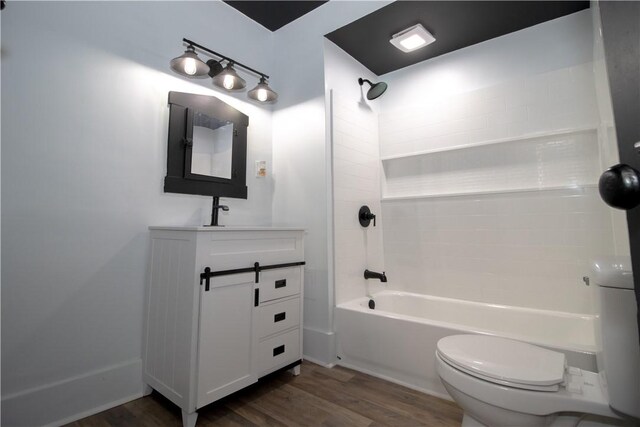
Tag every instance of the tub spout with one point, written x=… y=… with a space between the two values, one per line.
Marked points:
x=373 y=275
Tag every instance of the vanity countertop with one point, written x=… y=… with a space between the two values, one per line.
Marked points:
x=225 y=228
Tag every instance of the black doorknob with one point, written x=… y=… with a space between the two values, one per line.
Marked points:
x=620 y=187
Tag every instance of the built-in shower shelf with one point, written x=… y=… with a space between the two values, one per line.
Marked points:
x=561 y=160
x=573 y=188
x=526 y=137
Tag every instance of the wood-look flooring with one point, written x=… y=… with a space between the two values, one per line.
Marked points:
x=317 y=397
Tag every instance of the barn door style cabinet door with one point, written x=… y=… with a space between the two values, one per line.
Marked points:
x=223 y=308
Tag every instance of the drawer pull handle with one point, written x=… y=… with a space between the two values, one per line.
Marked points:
x=281 y=283
x=278 y=350
x=279 y=317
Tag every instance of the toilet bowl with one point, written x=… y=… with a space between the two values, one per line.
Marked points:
x=503 y=382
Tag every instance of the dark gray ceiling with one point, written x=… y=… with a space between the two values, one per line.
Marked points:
x=455 y=24
x=274 y=14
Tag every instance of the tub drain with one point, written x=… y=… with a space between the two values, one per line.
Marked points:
x=372 y=304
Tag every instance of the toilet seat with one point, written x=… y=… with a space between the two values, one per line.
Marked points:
x=504 y=361
x=590 y=400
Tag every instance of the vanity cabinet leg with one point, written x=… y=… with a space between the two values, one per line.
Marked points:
x=295 y=370
x=189 y=419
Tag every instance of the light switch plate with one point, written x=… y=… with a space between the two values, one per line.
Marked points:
x=261 y=168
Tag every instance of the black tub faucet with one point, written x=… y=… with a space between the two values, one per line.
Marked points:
x=373 y=275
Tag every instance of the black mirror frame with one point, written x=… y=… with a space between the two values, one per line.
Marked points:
x=179 y=178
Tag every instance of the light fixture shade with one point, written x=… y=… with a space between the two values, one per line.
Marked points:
x=412 y=38
x=230 y=80
x=262 y=92
x=188 y=64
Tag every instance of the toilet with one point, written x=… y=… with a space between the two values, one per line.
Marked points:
x=503 y=382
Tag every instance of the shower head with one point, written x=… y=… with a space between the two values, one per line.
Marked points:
x=376 y=89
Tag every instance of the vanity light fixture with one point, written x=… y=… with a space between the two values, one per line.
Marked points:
x=262 y=92
x=412 y=38
x=224 y=76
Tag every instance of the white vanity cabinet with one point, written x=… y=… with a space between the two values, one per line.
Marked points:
x=223 y=308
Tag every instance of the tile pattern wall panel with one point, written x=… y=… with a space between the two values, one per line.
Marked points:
x=515 y=247
x=356 y=182
x=537 y=163
x=558 y=100
x=528 y=249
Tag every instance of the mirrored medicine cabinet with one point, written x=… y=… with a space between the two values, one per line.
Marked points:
x=207 y=147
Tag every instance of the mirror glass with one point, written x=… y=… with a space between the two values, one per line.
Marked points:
x=212 y=146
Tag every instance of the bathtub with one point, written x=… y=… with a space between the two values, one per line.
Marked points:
x=397 y=340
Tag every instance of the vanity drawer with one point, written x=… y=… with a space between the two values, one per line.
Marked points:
x=280 y=283
x=279 y=351
x=278 y=317
x=228 y=250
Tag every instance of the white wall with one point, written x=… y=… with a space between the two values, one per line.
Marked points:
x=514 y=222
x=356 y=174
x=301 y=153
x=84 y=135
x=85 y=97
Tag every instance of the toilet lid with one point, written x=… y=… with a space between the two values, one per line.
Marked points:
x=503 y=360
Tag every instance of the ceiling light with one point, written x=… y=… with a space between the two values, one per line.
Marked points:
x=188 y=64
x=262 y=92
x=412 y=38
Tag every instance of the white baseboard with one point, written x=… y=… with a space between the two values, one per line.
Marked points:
x=74 y=398
x=318 y=362
x=319 y=346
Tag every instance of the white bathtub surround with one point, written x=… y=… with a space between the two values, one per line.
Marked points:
x=356 y=176
x=489 y=172
x=565 y=159
x=537 y=104
x=527 y=249
x=490 y=159
x=490 y=195
x=397 y=340
x=489 y=187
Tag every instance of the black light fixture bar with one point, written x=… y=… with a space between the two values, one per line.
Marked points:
x=226 y=58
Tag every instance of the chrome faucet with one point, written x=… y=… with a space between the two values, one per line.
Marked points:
x=373 y=275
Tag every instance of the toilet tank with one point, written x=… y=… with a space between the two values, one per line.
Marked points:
x=619 y=360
